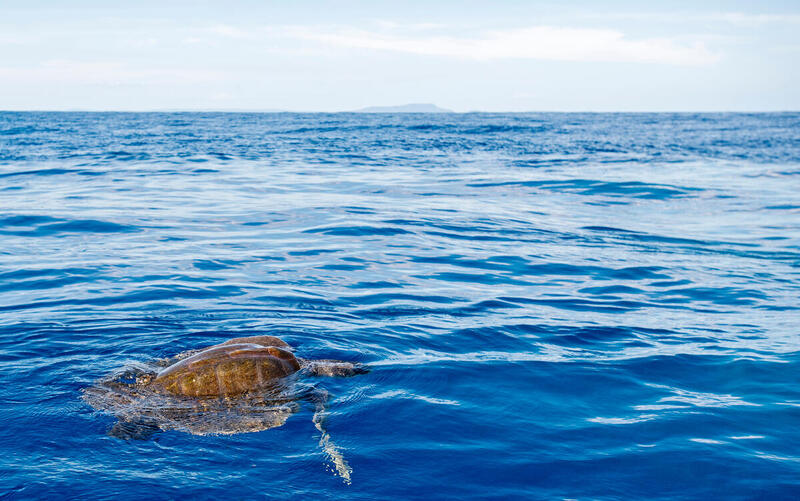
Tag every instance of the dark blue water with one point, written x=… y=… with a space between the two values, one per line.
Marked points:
x=595 y=306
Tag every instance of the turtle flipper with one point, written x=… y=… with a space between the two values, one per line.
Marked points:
x=133 y=430
x=320 y=399
x=335 y=368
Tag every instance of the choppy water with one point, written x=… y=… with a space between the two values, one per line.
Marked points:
x=553 y=305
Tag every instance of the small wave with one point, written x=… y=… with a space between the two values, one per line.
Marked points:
x=49 y=172
x=518 y=267
x=783 y=207
x=147 y=295
x=42 y=227
x=26 y=130
x=348 y=231
x=382 y=298
x=25 y=220
x=622 y=189
x=211 y=264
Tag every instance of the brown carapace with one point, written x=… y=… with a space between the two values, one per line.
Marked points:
x=238 y=366
x=238 y=386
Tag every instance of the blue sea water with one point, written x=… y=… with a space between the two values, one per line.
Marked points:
x=590 y=306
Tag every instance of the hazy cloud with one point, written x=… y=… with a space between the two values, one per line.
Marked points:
x=538 y=42
x=756 y=19
x=103 y=73
x=231 y=32
x=391 y=25
x=735 y=18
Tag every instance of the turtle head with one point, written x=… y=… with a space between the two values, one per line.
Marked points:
x=132 y=376
x=145 y=379
x=335 y=368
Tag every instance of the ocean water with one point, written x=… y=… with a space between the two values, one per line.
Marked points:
x=589 y=306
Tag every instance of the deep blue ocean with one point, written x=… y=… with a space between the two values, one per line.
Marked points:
x=586 y=306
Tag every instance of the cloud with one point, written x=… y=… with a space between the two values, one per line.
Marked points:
x=392 y=25
x=756 y=19
x=538 y=42
x=735 y=18
x=227 y=31
x=112 y=73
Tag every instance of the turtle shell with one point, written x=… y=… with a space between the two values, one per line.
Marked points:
x=228 y=369
x=183 y=392
x=237 y=386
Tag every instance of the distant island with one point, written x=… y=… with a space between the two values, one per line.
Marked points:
x=405 y=108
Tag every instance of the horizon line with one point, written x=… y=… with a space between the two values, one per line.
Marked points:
x=358 y=112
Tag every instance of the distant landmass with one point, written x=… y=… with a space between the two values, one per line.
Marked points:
x=405 y=108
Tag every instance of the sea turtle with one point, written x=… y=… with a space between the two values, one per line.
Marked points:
x=245 y=384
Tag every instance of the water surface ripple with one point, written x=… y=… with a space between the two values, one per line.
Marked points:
x=597 y=306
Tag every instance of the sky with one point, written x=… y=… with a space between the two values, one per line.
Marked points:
x=343 y=55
